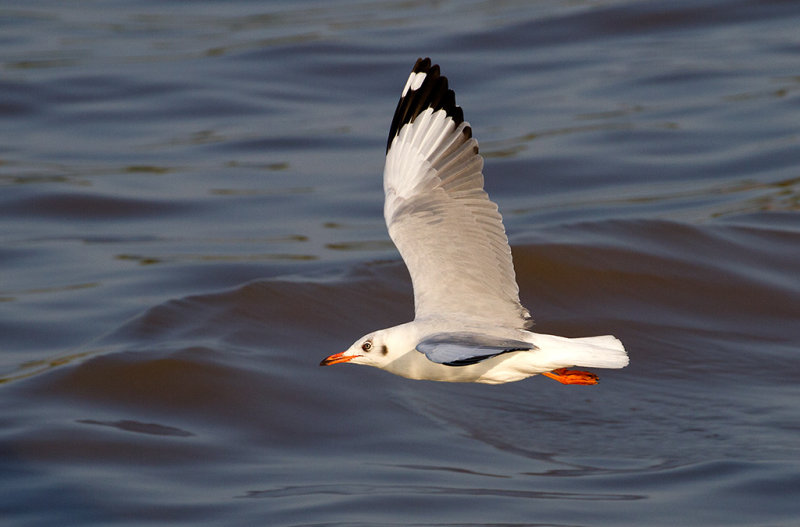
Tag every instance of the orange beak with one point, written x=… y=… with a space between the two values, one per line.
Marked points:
x=336 y=358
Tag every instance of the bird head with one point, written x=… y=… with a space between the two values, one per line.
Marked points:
x=376 y=349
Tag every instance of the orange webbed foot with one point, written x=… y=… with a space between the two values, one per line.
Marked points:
x=565 y=376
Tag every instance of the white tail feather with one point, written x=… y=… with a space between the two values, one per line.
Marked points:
x=605 y=351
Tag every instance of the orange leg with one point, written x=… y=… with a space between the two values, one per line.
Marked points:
x=565 y=376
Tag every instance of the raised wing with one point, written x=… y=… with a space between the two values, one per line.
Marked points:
x=463 y=349
x=447 y=230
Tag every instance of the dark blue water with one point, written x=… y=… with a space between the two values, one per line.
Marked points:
x=191 y=218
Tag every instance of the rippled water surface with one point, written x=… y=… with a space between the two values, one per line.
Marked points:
x=191 y=218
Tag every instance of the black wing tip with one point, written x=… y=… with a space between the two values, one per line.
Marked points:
x=434 y=92
x=423 y=65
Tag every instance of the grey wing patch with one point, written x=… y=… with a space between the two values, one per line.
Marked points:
x=463 y=349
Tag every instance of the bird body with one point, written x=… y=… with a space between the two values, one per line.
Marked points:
x=469 y=324
x=516 y=354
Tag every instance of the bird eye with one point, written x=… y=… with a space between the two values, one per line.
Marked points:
x=366 y=346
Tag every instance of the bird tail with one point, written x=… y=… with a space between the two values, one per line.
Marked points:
x=605 y=351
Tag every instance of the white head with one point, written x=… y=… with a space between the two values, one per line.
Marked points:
x=377 y=349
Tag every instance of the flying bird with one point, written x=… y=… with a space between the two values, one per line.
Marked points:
x=469 y=325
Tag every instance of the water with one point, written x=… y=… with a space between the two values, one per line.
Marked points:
x=191 y=218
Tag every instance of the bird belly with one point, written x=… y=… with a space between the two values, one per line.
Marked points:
x=497 y=370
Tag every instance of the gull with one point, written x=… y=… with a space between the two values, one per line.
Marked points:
x=469 y=325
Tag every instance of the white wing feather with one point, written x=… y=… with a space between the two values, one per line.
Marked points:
x=448 y=231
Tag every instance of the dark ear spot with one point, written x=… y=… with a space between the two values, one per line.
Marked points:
x=384 y=350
